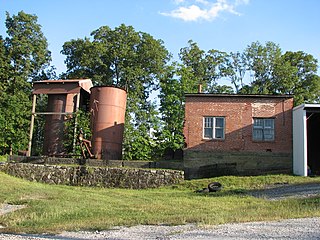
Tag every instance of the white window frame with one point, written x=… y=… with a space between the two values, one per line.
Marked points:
x=211 y=123
x=262 y=130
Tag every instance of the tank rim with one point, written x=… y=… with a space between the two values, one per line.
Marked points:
x=111 y=86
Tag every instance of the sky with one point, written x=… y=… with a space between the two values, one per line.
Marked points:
x=225 y=25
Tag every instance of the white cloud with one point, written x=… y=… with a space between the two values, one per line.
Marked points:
x=204 y=2
x=191 y=13
x=204 y=9
x=179 y=1
x=241 y=2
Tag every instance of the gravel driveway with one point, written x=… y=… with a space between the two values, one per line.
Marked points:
x=305 y=228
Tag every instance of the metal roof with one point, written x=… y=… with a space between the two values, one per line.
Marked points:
x=61 y=86
x=238 y=95
x=306 y=106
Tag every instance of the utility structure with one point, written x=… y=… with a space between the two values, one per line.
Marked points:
x=65 y=97
x=107 y=107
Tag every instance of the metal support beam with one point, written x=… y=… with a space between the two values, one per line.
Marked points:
x=75 y=124
x=34 y=101
x=53 y=113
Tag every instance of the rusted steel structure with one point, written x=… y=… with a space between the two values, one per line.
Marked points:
x=64 y=98
x=107 y=106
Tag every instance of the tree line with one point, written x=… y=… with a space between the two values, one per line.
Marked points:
x=140 y=63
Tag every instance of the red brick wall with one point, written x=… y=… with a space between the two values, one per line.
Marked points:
x=239 y=112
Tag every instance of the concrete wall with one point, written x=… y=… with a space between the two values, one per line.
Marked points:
x=94 y=176
x=205 y=164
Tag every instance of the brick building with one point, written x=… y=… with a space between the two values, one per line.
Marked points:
x=237 y=134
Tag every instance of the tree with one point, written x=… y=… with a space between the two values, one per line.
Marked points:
x=24 y=55
x=205 y=68
x=193 y=59
x=296 y=73
x=125 y=58
x=27 y=48
x=172 y=89
x=235 y=69
x=261 y=61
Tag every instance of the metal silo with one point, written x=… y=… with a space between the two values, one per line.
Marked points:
x=54 y=126
x=108 y=106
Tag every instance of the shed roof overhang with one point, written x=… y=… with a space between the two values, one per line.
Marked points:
x=308 y=107
x=61 y=86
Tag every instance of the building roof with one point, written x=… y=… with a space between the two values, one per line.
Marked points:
x=307 y=106
x=61 y=86
x=238 y=95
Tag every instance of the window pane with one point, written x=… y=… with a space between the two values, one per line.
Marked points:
x=213 y=127
x=220 y=122
x=263 y=129
x=257 y=134
x=219 y=133
x=208 y=122
x=269 y=134
x=269 y=123
x=208 y=133
x=257 y=122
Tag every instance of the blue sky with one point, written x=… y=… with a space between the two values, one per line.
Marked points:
x=226 y=25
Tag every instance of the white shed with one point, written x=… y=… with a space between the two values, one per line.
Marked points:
x=306 y=136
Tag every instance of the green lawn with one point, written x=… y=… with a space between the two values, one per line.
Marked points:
x=58 y=208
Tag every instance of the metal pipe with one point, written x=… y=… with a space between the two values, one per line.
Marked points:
x=53 y=113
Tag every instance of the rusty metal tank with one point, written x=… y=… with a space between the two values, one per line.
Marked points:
x=108 y=106
x=54 y=125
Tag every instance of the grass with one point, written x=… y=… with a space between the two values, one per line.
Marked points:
x=53 y=208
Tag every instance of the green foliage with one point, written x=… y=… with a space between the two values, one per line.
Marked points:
x=23 y=55
x=204 y=68
x=235 y=69
x=267 y=69
x=170 y=135
x=296 y=73
x=3 y=158
x=261 y=61
x=128 y=59
x=15 y=121
x=292 y=73
x=26 y=45
x=70 y=137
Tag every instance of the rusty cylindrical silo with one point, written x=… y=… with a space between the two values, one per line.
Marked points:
x=108 y=106
x=54 y=125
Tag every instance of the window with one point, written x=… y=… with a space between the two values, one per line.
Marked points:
x=263 y=129
x=213 y=127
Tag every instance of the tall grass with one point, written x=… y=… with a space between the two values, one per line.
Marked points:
x=52 y=208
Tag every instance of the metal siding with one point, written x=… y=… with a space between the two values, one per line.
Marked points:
x=299 y=142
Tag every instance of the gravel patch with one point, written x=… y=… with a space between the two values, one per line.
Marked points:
x=283 y=191
x=305 y=228
x=7 y=208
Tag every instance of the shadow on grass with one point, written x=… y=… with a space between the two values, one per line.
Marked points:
x=272 y=192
